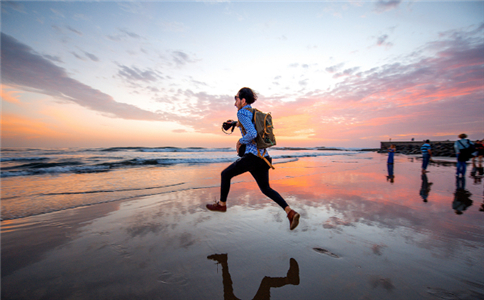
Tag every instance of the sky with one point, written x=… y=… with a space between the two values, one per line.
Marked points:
x=157 y=73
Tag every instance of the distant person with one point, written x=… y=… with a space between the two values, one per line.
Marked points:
x=250 y=162
x=391 y=154
x=413 y=139
x=426 y=154
x=462 y=151
x=480 y=151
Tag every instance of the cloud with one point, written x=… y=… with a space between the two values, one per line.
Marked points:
x=381 y=40
x=130 y=34
x=13 y=5
x=24 y=68
x=438 y=93
x=335 y=68
x=174 y=26
x=58 y=13
x=346 y=72
x=53 y=58
x=74 y=30
x=91 y=56
x=383 y=6
x=9 y=96
x=179 y=131
x=303 y=82
x=180 y=58
x=78 y=56
x=135 y=74
x=124 y=34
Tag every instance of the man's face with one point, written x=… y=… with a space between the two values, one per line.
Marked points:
x=239 y=103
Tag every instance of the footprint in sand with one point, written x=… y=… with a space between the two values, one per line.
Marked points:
x=167 y=277
x=324 y=251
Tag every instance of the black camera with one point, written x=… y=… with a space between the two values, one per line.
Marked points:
x=226 y=126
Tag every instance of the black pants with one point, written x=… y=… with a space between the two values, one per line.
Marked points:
x=259 y=169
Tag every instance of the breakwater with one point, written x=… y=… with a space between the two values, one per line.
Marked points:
x=439 y=148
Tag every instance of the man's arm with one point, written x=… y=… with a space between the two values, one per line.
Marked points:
x=245 y=118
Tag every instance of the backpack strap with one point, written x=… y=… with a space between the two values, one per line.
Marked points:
x=265 y=159
x=253 y=111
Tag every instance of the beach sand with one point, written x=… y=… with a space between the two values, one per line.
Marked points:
x=360 y=236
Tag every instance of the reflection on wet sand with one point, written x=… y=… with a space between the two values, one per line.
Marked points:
x=264 y=291
x=477 y=172
x=390 y=176
x=359 y=238
x=461 y=196
x=425 y=187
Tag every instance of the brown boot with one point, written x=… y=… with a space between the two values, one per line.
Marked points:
x=293 y=219
x=217 y=207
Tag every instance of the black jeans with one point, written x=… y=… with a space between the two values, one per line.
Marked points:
x=259 y=169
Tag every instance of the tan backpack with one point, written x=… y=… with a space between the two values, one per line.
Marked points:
x=265 y=131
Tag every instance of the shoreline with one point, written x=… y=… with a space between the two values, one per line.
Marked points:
x=359 y=234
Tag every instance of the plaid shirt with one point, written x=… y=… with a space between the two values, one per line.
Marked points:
x=245 y=118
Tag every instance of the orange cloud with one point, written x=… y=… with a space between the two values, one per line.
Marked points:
x=15 y=127
x=9 y=95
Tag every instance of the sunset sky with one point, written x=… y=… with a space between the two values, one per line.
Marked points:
x=156 y=73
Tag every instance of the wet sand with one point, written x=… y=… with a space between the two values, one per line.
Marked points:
x=361 y=236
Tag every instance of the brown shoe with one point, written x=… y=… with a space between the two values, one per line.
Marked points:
x=217 y=207
x=293 y=219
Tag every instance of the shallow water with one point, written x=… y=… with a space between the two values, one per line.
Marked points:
x=37 y=181
x=361 y=236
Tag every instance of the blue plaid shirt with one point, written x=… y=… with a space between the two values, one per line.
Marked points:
x=245 y=118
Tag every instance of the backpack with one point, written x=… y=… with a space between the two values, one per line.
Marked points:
x=264 y=126
x=466 y=153
x=265 y=132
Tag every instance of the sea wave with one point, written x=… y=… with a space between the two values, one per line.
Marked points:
x=164 y=149
x=21 y=159
x=138 y=157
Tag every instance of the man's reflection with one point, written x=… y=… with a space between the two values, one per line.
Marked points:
x=391 y=176
x=461 y=196
x=425 y=188
x=292 y=277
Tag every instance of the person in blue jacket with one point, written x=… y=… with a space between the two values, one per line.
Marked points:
x=391 y=154
x=426 y=154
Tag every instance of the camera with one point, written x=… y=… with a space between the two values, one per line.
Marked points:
x=226 y=126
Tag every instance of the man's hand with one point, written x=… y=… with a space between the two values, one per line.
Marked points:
x=237 y=146
x=232 y=121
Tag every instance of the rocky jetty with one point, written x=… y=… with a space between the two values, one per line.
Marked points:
x=439 y=148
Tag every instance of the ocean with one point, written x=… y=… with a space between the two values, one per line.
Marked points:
x=38 y=181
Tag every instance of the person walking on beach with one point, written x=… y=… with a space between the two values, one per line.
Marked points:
x=480 y=151
x=391 y=154
x=426 y=154
x=250 y=162
x=462 y=147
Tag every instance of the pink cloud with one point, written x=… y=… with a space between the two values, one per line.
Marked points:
x=426 y=95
